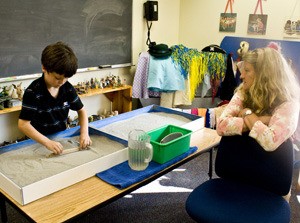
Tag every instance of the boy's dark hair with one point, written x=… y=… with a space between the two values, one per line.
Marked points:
x=59 y=58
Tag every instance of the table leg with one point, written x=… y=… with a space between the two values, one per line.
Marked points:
x=3 y=208
x=298 y=183
x=210 y=168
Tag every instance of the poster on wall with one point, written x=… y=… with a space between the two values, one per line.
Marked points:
x=227 y=22
x=291 y=29
x=257 y=24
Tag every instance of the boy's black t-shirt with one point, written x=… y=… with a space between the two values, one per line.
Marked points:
x=48 y=115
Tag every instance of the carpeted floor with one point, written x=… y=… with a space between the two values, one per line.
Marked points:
x=162 y=201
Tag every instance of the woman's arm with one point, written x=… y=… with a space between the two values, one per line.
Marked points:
x=230 y=123
x=271 y=132
x=249 y=120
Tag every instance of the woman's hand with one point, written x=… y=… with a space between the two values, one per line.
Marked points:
x=265 y=119
x=241 y=113
x=250 y=118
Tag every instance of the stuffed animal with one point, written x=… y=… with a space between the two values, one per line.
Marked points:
x=244 y=47
x=18 y=92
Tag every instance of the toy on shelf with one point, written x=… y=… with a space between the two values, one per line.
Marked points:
x=106 y=114
x=81 y=88
x=110 y=81
x=4 y=143
x=18 y=91
x=11 y=96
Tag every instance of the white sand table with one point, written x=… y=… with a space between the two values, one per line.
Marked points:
x=30 y=164
x=145 y=121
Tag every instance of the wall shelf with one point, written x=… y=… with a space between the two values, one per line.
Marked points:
x=121 y=98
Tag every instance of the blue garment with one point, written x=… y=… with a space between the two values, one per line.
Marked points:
x=164 y=76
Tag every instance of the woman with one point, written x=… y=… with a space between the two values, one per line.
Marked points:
x=266 y=104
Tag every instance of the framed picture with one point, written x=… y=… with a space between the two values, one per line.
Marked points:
x=291 y=29
x=227 y=22
x=257 y=24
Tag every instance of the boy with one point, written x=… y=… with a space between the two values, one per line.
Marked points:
x=48 y=99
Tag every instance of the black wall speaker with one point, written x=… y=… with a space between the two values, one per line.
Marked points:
x=151 y=10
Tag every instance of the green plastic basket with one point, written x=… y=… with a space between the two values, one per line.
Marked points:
x=163 y=152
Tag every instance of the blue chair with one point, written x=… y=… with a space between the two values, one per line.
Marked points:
x=250 y=186
x=297 y=167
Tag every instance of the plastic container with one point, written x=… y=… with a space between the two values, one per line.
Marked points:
x=163 y=152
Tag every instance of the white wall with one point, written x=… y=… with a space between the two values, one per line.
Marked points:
x=199 y=20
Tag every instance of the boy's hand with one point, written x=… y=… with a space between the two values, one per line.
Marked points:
x=54 y=146
x=85 y=141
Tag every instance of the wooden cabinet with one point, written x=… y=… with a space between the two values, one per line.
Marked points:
x=121 y=98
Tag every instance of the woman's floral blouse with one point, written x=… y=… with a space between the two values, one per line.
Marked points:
x=282 y=125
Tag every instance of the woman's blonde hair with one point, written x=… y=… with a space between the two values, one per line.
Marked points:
x=274 y=82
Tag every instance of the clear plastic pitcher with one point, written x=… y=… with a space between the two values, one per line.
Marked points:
x=140 y=150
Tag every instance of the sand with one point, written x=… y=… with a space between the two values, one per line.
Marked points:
x=145 y=121
x=30 y=164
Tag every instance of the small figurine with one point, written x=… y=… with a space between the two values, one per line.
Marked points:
x=93 y=84
x=113 y=82
x=14 y=93
x=119 y=82
x=97 y=83
x=19 y=91
x=10 y=90
x=72 y=123
x=102 y=83
x=4 y=91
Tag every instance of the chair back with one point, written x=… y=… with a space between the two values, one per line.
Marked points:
x=241 y=158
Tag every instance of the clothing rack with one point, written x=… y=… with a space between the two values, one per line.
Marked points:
x=213 y=48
